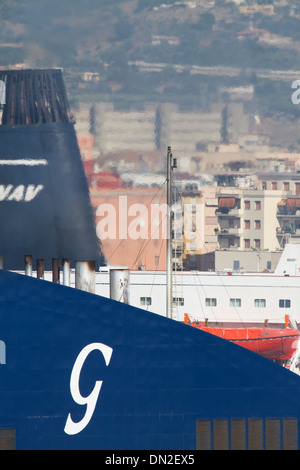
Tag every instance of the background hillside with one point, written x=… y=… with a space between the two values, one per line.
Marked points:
x=110 y=38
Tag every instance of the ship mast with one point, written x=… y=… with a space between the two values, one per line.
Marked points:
x=171 y=164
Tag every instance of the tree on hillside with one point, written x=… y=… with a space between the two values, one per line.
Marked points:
x=224 y=127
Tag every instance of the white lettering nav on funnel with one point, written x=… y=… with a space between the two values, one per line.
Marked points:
x=19 y=193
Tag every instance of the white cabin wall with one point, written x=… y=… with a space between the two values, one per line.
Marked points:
x=194 y=287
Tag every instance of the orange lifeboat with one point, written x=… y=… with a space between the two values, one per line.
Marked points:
x=276 y=344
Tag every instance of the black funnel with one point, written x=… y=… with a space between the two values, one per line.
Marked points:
x=45 y=208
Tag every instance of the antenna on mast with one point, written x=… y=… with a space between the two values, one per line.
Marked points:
x=171 y=164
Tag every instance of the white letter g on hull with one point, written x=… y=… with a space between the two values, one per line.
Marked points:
x=91 y=400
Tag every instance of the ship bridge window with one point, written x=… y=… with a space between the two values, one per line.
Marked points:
x=260 y=303
x=210 y=302
x=145 y=300
x=235 y=302
x=178 y=301
x=284 y=303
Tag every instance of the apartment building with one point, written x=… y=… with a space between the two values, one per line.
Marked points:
x=131 y=225
x=198 y=221
x=214 y=227
x=193 y=228
x=255 y=222
x=247 y=219
x=252 y=9
x=158 y=125
x=287 y=181
x=288 y=217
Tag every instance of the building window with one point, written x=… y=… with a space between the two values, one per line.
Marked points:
x=210 y=302
x=193 y=245
x=247 y=205
x=274 y=185
x=286 y=186
x=284 y=303
x=230 y=242
x=264 y=185
x=178 y=301
x=236 y=265
x=247 y=224
x=235 y=302
x=145 y=300
x=193 y=261
x=177 y=234
x=247 y=242
x=257 y=224
x=257 y=243
x=259 y=303
x=257 y=205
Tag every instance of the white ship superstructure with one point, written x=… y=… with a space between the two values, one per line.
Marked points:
x=218 y=298
x=226 y=299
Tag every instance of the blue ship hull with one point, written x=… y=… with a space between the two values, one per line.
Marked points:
x=78 y=371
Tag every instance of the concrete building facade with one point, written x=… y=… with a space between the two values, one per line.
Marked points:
x=248 y=219
x=156 y=126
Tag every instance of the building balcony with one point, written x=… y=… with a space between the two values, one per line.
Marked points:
x=289 y=207
x=287 y=213
x=229 y=213
x=286 y=231
x=176 y=252
x=177 y=244
x=226 y=244
x=229 y=232
x=229 y=206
